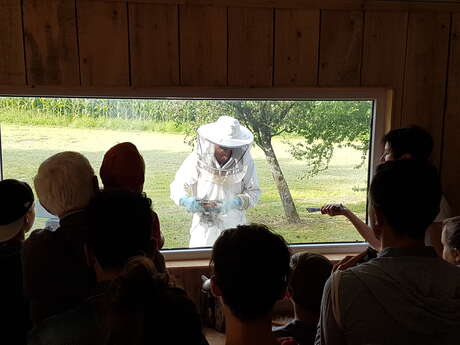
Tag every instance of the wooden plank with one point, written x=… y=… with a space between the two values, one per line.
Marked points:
x=450 y=169
x=426 y=69
x=296 y=47
x=250 y=47
x=384 y=55
x=203 y=45
x=103 y=36
x=154 y=42
x=50 y=29
x=340 y=48
x=12 y=67
x=386 y=5
x=300 y=93
x=291 y=4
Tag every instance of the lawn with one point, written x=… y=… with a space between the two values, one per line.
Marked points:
x=25 y=147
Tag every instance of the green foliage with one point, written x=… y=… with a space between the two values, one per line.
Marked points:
x=326 y=124
x=311 y=128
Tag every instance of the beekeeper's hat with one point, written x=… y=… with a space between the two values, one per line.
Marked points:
x=226 y=132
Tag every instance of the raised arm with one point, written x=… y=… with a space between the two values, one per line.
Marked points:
x=364 y=229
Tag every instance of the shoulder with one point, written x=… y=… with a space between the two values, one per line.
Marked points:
x=67 y=328
x=38 y=240
x=179 y=298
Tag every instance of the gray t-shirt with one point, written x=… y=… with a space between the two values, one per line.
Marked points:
x=404 y=296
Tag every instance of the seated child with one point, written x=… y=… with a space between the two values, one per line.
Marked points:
x=124 y=168
x=135 y=304
x=17 y=216
x=451 y=240
x=250 y=266
x=309 y=273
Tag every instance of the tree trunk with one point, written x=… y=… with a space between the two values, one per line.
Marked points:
x=283 y=188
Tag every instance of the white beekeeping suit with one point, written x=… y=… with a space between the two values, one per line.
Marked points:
x=217 y=195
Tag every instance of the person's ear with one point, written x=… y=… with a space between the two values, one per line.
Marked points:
x=378 y=222
x=90 y=258
x=215 y=290
x=406 y=156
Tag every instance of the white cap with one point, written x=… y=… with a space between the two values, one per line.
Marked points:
x=226 y=132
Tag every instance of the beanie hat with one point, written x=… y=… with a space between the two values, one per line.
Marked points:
x=123 y=168
x=16 y=198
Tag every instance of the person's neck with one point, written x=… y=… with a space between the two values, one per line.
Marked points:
x=306 y=316
x=257 y=332
x=390 y=239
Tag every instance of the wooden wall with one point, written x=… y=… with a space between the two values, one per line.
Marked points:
x=121 y=45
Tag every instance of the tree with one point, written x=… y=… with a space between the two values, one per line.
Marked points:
x=315 y=128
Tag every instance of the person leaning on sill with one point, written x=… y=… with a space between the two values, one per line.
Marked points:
x=56 y=275
x=123 y=168
x=403 y=143
x=134 y=303
x=17 y=216
x=407 y=294
x=250 y=267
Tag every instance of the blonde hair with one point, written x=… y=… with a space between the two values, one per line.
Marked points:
x=65 y=182
x=451 y=228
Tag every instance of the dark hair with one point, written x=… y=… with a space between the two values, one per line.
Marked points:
x=120 y=227
x=452 y=232
x=309 y=273
x=414 y=140
x=251 y=267
x=142 y=307
x=408 y=193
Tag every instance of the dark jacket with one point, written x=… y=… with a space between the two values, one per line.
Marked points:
x=303 y=333
x=13 y=306
x=56 y=275
x=171 y=320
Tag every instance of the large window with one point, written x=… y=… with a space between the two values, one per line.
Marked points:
x=321 y=147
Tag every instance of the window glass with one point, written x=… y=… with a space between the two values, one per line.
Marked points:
x=320 y=147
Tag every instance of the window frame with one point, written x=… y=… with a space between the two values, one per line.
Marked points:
x=381 y=123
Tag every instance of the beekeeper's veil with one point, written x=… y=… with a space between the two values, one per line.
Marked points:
x=225 y=132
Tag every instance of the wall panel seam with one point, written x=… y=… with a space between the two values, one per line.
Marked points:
x=26 y=76
x=77 y=33
x=403 y=90
x=130 y=81
x=446 y=95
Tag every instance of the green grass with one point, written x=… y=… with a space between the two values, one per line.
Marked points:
x=37 y=118
x=25 y=146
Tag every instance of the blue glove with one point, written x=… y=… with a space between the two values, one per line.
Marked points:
x=191 y=204
x=232 y=204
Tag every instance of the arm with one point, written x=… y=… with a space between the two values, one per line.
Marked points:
x=186 y=177
x=251 y=191
x=364 y=229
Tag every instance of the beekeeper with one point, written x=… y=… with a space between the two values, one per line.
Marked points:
x=217 y=182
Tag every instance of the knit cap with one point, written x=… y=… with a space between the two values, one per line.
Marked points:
x=123 y=168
